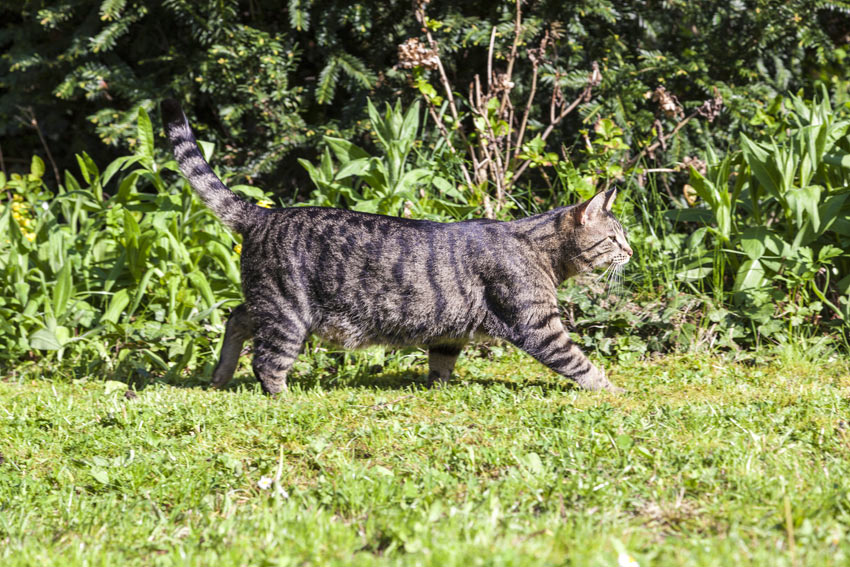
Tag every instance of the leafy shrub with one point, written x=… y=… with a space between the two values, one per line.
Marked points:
x=267 y=79
x=774 y=232
x=121 y=269
x=385 y=184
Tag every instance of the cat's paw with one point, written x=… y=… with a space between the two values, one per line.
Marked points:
x=597 y=380
x=436 y=380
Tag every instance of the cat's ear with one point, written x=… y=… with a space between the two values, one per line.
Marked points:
x=610 y=196
x=592 y=207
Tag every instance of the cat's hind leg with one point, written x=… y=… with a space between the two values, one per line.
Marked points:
x=277 y=343
x=441 y=362
x=239 y=329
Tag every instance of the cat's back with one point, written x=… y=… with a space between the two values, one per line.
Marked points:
x=353 y=235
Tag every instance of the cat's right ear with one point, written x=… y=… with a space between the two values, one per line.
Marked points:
x=591 y=207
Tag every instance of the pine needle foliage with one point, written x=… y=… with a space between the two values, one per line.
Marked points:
x=268 y=80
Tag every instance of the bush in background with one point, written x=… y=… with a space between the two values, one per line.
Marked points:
x=266 y=81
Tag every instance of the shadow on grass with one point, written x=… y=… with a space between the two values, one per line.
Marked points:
x=138 y=377
x=395 y=380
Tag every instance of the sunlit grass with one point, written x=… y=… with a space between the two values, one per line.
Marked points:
x=703 y=462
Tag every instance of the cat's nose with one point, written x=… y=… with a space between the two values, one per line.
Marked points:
x=629 y=251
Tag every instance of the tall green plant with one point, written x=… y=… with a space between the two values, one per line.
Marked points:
x=778 y=217
x=121 y=263
x=390 y=183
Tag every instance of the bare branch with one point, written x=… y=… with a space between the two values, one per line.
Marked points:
x=445 y=134
x=583 y=96
x=512 y=56
x=32 y=122
x=490 y=59
x=662 y=140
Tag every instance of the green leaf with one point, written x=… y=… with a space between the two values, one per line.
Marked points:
x=44 y=339
x=100 y=475
x=762 y=163
x=112 y=386
x=252 y=191
x=689 y=215
x=127 y=186
x=114 y=167
x=839 y=160
x=144 y=134
x=326 y=86
x=120 y=300
x=805 y=199
x=750 y=276
x=357 y=167
x=448 y=189
x=355 y=69
x=200 y=282
x=36 y=168
x=345 y=151
x=383 y=471
x=695 y=272
x=533 y=464
x=184 y=360
x=207 y=149
x=410 y=179
x=753 y=242
x=298 y=18
x=367 y=206
x=62 y=290
x=141 y=289
x=411 y=124
x=87 y=167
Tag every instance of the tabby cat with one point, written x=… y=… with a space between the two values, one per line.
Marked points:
x=357 y=279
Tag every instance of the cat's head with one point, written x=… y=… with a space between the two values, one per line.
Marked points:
x=598 y=238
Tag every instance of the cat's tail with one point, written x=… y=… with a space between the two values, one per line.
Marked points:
x=233 y=211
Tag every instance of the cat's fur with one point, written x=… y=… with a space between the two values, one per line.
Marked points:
x=357 y=279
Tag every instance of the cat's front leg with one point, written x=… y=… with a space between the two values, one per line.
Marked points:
x=278 y=339
x=548 y=342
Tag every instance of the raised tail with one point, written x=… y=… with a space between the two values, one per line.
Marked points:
x=233 y=211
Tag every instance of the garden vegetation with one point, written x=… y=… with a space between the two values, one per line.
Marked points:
x=725 y=127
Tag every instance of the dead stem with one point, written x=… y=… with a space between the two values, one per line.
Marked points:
x=32 y=122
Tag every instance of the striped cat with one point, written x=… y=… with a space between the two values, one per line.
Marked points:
x=357 y=279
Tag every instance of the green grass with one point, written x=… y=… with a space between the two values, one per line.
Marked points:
x=703 y=462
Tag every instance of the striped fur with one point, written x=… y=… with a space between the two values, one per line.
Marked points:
x=357 y=279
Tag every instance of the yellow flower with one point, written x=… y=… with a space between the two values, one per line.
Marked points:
x=238 y=249
x=266 y=204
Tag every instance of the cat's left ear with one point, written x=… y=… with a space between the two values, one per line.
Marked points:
x=610 y=196
x=595 y=205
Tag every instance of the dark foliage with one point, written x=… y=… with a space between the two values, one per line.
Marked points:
x=267 y=80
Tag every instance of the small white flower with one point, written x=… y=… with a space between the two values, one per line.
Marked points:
x=265 y=483
x=626 y=560
x=45 y=206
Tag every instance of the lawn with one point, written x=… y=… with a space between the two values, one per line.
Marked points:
x=702 y=462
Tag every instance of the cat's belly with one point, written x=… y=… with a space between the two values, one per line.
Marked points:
x=348 y=333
